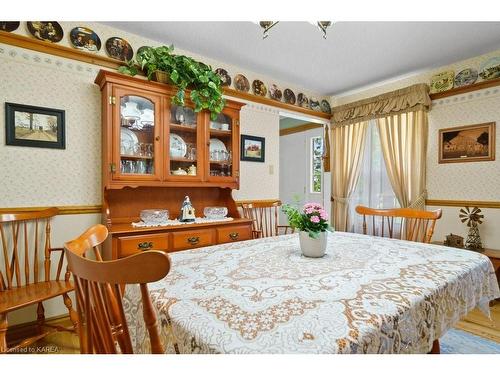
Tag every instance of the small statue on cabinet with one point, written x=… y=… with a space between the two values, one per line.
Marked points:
x=187 y=211
x=453 y=240
x=473 y=218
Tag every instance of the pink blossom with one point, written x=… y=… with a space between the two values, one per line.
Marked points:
x=309 y=210
x=314 y=219
x=323 y=214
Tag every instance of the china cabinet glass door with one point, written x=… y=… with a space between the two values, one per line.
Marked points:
x=184 y=143
x=221 y=150
x=138 y=135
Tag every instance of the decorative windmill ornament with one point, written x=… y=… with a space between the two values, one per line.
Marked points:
x=473 y=218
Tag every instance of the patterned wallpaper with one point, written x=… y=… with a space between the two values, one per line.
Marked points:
x=40 y=177
x=464 y=181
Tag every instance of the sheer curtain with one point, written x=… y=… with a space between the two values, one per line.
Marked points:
x=374 y=188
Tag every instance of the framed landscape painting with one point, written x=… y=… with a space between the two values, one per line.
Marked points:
x=30 y=126
x=253 y=148
x=467 y=143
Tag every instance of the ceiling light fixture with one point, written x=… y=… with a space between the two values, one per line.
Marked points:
x=267 y=25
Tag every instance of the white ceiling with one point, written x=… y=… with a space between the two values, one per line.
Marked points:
x=354 y=55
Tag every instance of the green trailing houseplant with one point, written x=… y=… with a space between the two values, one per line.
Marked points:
x=185 y=73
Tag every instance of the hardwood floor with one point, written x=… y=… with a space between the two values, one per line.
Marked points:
x=475 y=323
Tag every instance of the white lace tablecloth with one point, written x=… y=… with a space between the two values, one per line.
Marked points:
x=367 y=295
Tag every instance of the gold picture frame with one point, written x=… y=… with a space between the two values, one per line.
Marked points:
x=467 y=143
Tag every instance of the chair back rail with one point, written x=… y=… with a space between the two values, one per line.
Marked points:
x=403 y=223
x=98 y=287
x=23 y=237
x=265 y=218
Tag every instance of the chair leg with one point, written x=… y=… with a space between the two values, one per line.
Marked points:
x=435 y=348
x=73 y=316
x=3 y=332
x=40 y=317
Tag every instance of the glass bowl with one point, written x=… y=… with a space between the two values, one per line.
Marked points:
x=215 y=212
x=154 y=216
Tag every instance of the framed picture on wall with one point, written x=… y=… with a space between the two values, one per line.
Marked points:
x=467 y=143
x=30 y=126
x=253 y=148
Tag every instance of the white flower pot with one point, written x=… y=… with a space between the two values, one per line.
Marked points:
x=313 y=247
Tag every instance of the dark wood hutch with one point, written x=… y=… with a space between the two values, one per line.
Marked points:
x=154 y=153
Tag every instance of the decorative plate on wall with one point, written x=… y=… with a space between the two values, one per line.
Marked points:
x=490 y=69
x=442 y=81
x=9 y=26
x=259 y=88
x=289 y=96
x=325 y=106
x=119 y=49
x=49 y=31
x=141 y=49
x=225 y=78
x=302 y=100
x=314 y=104
x=85 y=39
x=241 y=83
x=465 y=77
x=274 y=92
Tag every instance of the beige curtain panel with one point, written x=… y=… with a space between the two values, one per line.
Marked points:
x=412 y=98
x=404 y=145
x=348 y=145
x=326 y=155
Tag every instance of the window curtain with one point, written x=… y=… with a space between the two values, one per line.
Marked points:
x=348 y=144
x=403 y=138
x=402 y=122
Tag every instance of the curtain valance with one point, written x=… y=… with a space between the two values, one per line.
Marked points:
x=411 y=98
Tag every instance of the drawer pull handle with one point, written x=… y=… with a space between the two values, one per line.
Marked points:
x=193 y=240
x=145 y=245
x=234 y=235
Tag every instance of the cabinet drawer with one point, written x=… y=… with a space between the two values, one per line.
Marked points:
x=135 y=244
x=193 y=239
x=233 y=234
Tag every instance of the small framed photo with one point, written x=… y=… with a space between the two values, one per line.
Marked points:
x=467 y=143
x=253 y=148
x=30 y=126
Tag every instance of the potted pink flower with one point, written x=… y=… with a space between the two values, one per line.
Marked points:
x=312 y=223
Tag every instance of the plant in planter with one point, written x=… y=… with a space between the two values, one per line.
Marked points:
x=183 y=72
x=312 y=222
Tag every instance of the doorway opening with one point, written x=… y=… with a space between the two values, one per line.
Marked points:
x=302 y=176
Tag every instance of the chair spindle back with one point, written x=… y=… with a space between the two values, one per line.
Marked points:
x=25 y=242
x=98 y=287
x=403 y=223
x=265 y=218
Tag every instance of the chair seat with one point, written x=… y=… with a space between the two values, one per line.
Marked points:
x=23 y=296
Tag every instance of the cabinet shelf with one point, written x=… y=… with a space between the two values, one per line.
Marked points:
x=136 y=157
x=183 y=128
x=220 y=162
x=220 y=133
x=183 y=160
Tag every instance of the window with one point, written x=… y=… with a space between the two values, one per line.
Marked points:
x=316 y=160
x=374 y=188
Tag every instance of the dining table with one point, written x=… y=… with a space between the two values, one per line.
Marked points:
x=365 y=295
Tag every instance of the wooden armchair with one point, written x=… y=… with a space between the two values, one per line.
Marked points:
x=265 y=218
x=403 y=223
x=25 y=241
x=98 y=287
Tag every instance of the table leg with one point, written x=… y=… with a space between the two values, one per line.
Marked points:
x=435 y=348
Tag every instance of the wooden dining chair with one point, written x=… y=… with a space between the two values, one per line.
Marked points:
x=25 y=273
x=98 y=287
x=403 y=223
x=265 y=218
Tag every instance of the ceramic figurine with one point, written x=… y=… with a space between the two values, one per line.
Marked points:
x=187 y=211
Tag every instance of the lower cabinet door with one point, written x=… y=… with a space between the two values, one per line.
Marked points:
x=129 y=245
x=192 y=239
x=233 y=234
